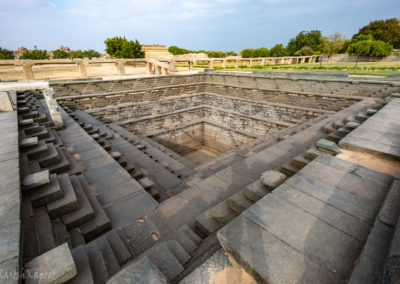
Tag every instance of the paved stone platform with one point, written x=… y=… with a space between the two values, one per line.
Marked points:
x=10 y=197
x=313 y=228
x=379 y=135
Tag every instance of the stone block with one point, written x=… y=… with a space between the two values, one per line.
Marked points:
x=25 y=122
x=352 y=124
x=27 y=142
x=272 y=179
x=55 y=266
x=36 y=179
x=329 y=146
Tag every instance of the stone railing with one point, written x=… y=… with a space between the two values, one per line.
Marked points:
x=161 y=66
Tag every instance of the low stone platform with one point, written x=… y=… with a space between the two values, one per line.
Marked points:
x=379 y=135
x=317 y=226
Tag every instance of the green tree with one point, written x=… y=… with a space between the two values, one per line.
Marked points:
x=6 y=53
x=60 y=54
x=306 y=51
x=384 y=30
x=122 y=48
x=278 y=50
x=247 y=52
x=35 y=54
x=366 y=45
x=332 y=44
x=312 y=39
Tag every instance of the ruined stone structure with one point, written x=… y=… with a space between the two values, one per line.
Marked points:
x=152 y=179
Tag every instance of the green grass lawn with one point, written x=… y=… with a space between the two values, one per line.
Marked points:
x=363 y=68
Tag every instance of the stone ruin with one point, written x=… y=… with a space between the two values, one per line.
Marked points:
x=173 y=179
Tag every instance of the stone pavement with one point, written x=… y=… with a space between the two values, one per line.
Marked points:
x=317 y=227
x=379 y=135
x=10 y=197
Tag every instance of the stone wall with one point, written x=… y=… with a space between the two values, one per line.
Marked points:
x=185 y=139
x=273 y=111
x=152 y=125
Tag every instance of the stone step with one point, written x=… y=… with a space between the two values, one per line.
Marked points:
x=35 y=180
x=44 y=231
x=206 y=224
x=60 y=232
x=288 y=169
x=51 y=158
x=97 y=263
x=25 y=122
x=146 y=183
x=118 y=247
x=334 y=137
x=222 y=213
x=311 y=154
x=327 y=128
x=74 y=167
x=165 y=260
x=191 y=234
x=154 y=193
x=238 y=202
x=255 y=191
x=350 y=118
x=51 y=137
x=76 y=238
x=28 y=142
x=42 y=134
x=84 y=273
x=122 y=162
x=343 y=131
x=110 y=260
x=68 y=203
x=34 y=128
x=40 y=119
x=101 y=223
x=85 y=211
x=376 y=249
x=47 y=193
x=38 y=151
x=29 y=114
x=352 y=124
x=300 y=161
x=361 y=117
x=63 y=166
x=338 y=124
x=185 y=241
x=178 y=251
x=142 y=270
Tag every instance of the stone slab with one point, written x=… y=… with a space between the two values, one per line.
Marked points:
x=55 y=266
x=269 y=259
x=36 y=179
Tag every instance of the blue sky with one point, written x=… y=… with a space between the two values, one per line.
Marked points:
x=193 y=24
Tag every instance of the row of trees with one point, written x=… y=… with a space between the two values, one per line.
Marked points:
x=214 y=54
x=44 y=54
x=375 y=39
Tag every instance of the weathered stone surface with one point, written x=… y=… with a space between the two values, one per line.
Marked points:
x=273 y=179
x=255 y=191
x=54 y=266
x=254 y=247
x=352 y=124
x=36 y=179
x=141 y=271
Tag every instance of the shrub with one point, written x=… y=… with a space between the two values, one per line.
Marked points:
x=35 y=54
x=6 y=54
x=60 y=54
